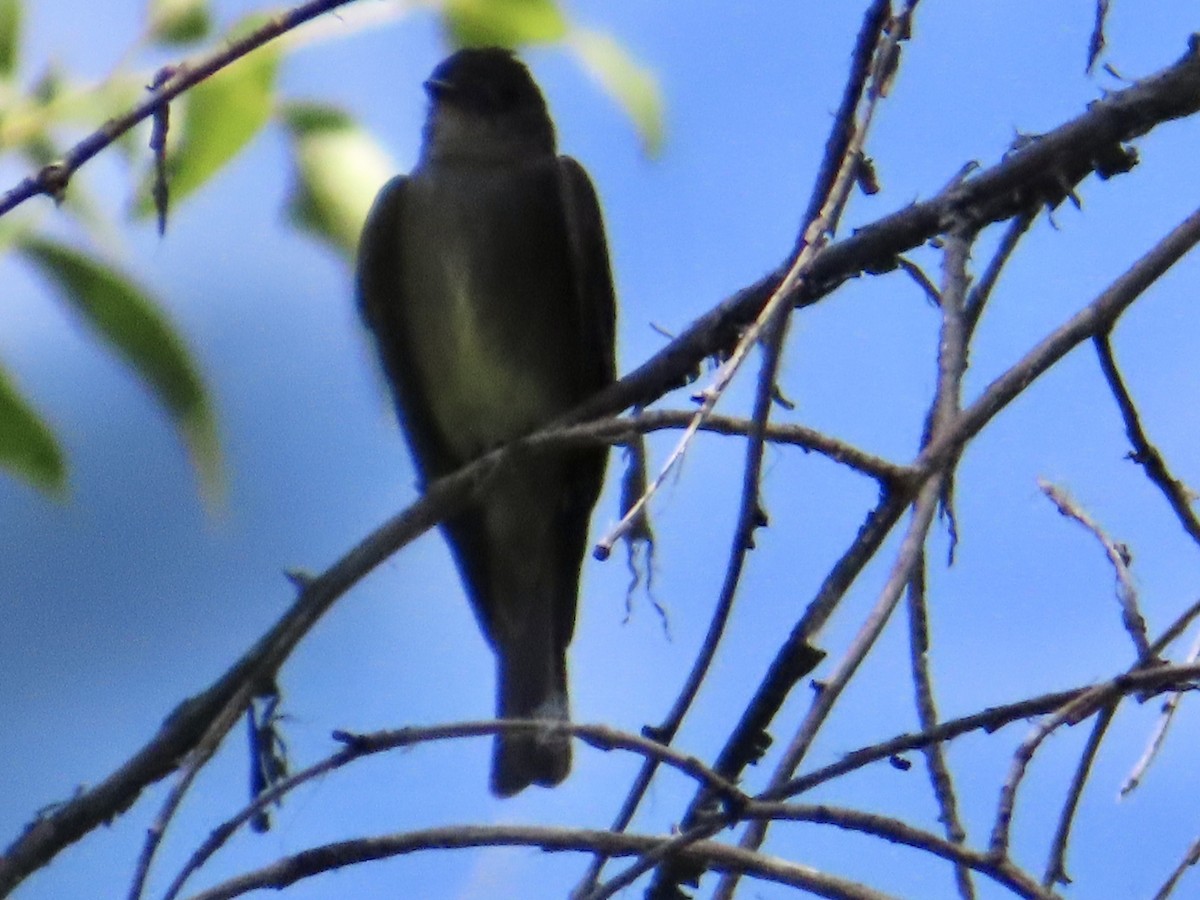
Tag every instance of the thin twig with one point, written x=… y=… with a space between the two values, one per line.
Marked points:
x=196 y=760
x=979 y=295
x=1040 y=172
x=1191 y=858
x=1120 y=557
x=1096 y=42
x=1174 y=630
x=1095 y=318
x=913 y=271
x=816 y=238
x=866 y=85
x=895 y=831
x=357 y=746
x=53 y=179
x=1072 y=712
x=1056 y=865
x=154 y=834
x=935 y=759
x=830 y=193
x=1145 y=454
x=952 y=362
x=956 y=336
x=750 y=517
x=1159 y=735
x=621 y=430
x=990 y=720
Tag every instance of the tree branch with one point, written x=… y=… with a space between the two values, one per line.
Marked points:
x=1043 y=171
x=53 y=179
x=719 y=857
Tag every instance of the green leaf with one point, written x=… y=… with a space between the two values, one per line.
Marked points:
x=503 y=23
x=174 y=22
x=339 y=169
x=125 y=318
x=222 y=115
x=633 y=87
x=27 y=446
x=10 y=37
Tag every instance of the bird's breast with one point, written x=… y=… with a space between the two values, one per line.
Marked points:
x=489 y=302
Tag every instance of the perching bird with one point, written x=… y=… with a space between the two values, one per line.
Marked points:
x=484 y=277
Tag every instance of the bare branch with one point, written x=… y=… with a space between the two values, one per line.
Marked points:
x=1096 y=43
x=1191 y=858
x=1120 y=557
x=621 y=430
x=1159 y=735
x=1056 y=867
x=1040 y=172
x=356 y=746
x=897 y=832
x=989 y=720
x=1072 y=712
x=185 y=778
x=952 y=363
x=935 y=759
x=719 y=857
x=52 y=180
x=1145 y=454
x=978 y=297
x=1095 y=318
x=830 y=193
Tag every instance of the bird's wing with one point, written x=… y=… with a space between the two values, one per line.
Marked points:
x=380 y=301
x=593 y=277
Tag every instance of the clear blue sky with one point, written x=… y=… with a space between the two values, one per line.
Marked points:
x=128 y=597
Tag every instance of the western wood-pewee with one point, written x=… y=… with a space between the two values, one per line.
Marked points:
x=484 y=277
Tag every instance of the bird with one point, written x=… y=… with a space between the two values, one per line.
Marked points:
x=484 y=277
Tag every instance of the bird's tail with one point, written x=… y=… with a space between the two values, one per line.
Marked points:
x=531 y=684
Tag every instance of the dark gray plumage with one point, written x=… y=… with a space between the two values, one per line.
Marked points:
x=485 y=280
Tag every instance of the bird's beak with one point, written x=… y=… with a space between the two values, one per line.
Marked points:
x=437 y=87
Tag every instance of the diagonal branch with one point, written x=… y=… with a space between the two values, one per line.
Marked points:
x=1095 y=318
x=952 y=364
x=1118 y=554
x=1145 y=454
x=1056 y=865
x=52 y=179
x=1043 y=171
x=1140 y=682
x=227 y=697
x=789 y=664
x=870 y=72
x=1098 y=699
x=830 y=194
x=1089 y=143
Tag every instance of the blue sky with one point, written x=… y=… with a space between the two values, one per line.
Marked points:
x=129 y=597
